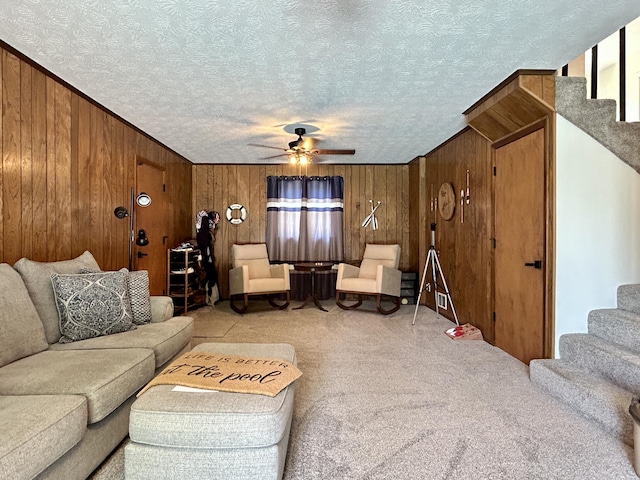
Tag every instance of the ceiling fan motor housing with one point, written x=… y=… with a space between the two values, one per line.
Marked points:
x=297 y=144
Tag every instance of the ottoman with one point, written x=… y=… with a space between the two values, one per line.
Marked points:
x=211 y=435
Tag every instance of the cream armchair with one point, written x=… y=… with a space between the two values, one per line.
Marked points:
x=251 y=274
x=377 y=276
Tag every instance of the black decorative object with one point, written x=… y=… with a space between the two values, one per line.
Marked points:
x=141 y=239
x=121 y=212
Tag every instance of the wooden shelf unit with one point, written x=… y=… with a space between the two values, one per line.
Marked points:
x=182 y=279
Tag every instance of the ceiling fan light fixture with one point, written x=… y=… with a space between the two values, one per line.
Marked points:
x=301 y=151
x=299 y=158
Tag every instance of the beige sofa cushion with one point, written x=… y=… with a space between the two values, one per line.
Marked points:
x=161 y=308
x=21 y=331
x=37 y=279
x=106 y=378
x=165 y=339
x=37 y=430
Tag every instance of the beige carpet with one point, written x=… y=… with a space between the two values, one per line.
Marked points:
x=382 y=399
x=209 y=325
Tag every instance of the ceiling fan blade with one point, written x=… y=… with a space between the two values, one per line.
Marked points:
x=334 y=152
x=273 y=156
x=264 y=146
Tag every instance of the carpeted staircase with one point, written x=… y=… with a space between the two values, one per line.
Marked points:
x=599 y=372
x=597 y=117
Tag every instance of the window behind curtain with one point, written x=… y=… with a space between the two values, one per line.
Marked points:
x=305 y=218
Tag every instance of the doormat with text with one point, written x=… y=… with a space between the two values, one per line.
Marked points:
x=228 y=373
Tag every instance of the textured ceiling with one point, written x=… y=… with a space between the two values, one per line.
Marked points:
x=390 y=79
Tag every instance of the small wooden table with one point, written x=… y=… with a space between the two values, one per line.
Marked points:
x=312 y=267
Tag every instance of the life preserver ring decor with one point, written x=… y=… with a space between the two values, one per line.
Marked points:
x=233 y=219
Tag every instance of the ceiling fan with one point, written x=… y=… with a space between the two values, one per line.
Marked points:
x=300 y=151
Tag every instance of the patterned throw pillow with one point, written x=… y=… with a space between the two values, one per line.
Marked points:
x=91 y=305
x=138 y=291
x=138 y=288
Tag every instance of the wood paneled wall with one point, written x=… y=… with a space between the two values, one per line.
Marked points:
x=418 y=211
x=66 y=164
x=215 y=187
x=463 y=243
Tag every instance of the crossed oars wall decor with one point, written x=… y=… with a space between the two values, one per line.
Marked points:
x=371 y=218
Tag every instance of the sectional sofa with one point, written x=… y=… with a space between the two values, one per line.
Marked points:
x=64 y=407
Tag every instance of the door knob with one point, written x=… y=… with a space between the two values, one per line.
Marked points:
x=535 y=264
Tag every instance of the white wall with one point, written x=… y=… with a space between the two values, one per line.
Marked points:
x=608 y=64
x=597 y=227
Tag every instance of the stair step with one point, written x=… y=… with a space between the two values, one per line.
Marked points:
x=571 y=96
x=597 y=117
x=629 y=297
x=603 y=110
x=613 y=362
x=570 y=90
x=592 y=396
x=617 y=326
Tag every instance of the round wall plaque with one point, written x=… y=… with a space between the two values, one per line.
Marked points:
x=446 y=201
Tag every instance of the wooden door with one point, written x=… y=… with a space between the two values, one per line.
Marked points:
x=520 y=239
x=153 y=220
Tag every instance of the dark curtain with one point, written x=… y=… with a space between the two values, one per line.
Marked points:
x=305 y=219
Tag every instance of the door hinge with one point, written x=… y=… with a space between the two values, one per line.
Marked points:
x=493 y=241
x=164 y=240
x=494 y=171
x=164 y=188
x=494 y=316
